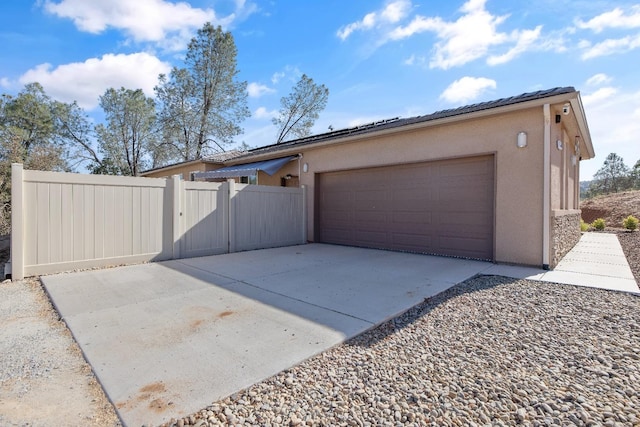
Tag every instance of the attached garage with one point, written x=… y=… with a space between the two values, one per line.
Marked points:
x=440 y=207
x=497 y=180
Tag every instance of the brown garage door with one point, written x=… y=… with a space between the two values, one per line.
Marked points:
x=441 y=207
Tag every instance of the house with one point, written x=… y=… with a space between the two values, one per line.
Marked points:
x=494 y=181
x=186 y=169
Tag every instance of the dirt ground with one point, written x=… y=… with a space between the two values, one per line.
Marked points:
x=613 y=208
x=44 y=378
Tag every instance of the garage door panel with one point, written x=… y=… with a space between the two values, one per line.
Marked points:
x=370 y=238
x=469 y=220
x=442 y=207
x=411 y=242
x=411 y=218
x=371 y=217
x=459 y=244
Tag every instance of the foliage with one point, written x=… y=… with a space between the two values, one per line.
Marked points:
x=634 y=176
x=203 y=104
x=598 y=224
x=300 y=109
x=37 y=131
x=612 y=177
x=630 y=223
x=129 y=133
x=583 y=225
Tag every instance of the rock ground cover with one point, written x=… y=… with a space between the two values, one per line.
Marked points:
x=630 y=242
x=490 y=351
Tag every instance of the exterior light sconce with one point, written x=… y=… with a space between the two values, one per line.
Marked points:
x=305 y=167
x=559 y=144
x=522 y=139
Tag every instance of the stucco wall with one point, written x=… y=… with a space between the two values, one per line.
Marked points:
x=290 y=168
x=565 y=233
x=183 y=170
x=519 y=171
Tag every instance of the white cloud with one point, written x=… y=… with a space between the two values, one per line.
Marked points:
x=5 y=83
x=415 y=60
x=85 y=81
x=167 y=23
x=467 y=89
x=617 y=18
x=470 y=37
x=614 y=123
x=289 y=71
x=263 y=113
x=392 y=13
x=276 y=77
x=598 y=79
x=609 y=47
x=256 y=90
x=600 y=95
x=524 y=41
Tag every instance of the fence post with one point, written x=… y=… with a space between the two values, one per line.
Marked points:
x=231 y=223
x=304 y=214
x=176 y=197
x=17 y=229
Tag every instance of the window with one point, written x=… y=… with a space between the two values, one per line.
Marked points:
x=253 y=179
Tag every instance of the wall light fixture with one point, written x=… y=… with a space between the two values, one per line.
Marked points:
x=522 y=139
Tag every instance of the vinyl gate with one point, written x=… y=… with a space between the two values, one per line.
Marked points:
x=64 y=221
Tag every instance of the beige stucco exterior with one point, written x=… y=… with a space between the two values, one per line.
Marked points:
x=519 y=192
x=183 y=170
x=535 y=189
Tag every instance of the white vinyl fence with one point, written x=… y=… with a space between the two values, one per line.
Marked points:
x=64 y=221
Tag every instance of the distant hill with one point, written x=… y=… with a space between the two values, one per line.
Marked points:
x=584 y=186
x=613 y=207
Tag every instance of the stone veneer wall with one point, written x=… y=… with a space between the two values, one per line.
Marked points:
x=565 y=233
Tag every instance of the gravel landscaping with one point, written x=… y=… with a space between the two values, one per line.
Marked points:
x=630 y=242
x=490 y=351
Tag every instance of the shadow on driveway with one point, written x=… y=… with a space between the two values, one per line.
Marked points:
x=167 y=339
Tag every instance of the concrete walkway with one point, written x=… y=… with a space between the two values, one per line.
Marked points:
x=597 y=261
x=167 y=339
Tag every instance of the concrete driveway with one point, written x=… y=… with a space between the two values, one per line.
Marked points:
x=167 y=339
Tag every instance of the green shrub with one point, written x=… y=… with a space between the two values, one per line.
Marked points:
x=583 y=225
x=598 y=224
x=630 y=223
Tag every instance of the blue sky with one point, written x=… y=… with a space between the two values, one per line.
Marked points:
x=379 y=59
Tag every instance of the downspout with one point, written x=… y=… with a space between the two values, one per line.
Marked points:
x=546 y=189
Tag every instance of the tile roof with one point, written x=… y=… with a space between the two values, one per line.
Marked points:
x=398 y=122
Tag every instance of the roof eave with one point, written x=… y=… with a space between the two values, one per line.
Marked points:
x=295 y=149
x=581 y=118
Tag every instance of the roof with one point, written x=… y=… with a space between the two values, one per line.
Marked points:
x=214 y=158
x=235 y=156
x=399 y=122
